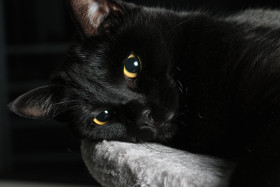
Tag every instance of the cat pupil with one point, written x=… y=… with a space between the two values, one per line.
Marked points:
x=132 y=65
x=103 y=117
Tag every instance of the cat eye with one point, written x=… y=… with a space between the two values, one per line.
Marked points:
x=103 y=117
x=132 y=66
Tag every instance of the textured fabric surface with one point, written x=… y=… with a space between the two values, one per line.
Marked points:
x=117 y=164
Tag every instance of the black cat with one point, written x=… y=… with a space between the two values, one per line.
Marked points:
x=197 y=82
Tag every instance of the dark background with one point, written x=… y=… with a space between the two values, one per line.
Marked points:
x=34 y=37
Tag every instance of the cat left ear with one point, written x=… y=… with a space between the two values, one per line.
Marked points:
x=37 y=103
x=91 y=14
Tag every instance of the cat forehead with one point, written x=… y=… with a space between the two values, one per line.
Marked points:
x=96 y=64
x=102 y=59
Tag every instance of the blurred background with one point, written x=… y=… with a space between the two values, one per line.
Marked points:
x=34 y=37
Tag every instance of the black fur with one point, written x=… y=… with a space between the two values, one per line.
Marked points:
x=208 y=84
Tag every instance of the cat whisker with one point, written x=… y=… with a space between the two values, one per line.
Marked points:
x=180 y=84
x=178 y=115
x=180 y=89
x=63 y=102
x=200 y=116
x=177 y=26
x=179 y=120
x=57 y=113
x=178 y=68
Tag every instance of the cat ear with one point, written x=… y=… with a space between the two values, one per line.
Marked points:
x=37 y=103
x=91 y=14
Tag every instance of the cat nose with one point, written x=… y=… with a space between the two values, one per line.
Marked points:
x=150 y=119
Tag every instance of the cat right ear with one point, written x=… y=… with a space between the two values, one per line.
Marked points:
x=95 y=15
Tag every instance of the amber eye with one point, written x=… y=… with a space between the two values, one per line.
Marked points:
x=132 y=66
x=103 y=117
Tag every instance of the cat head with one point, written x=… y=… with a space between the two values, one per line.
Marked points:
x=117 y=80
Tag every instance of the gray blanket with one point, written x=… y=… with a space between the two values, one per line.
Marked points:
x=127 y=164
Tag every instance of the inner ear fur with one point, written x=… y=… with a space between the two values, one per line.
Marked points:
x=90 y=14
x=39 y=103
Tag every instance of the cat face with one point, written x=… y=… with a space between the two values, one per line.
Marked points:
x=117 y=81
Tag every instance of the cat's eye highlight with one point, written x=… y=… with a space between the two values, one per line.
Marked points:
x=103 y=118
x=132 y=66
